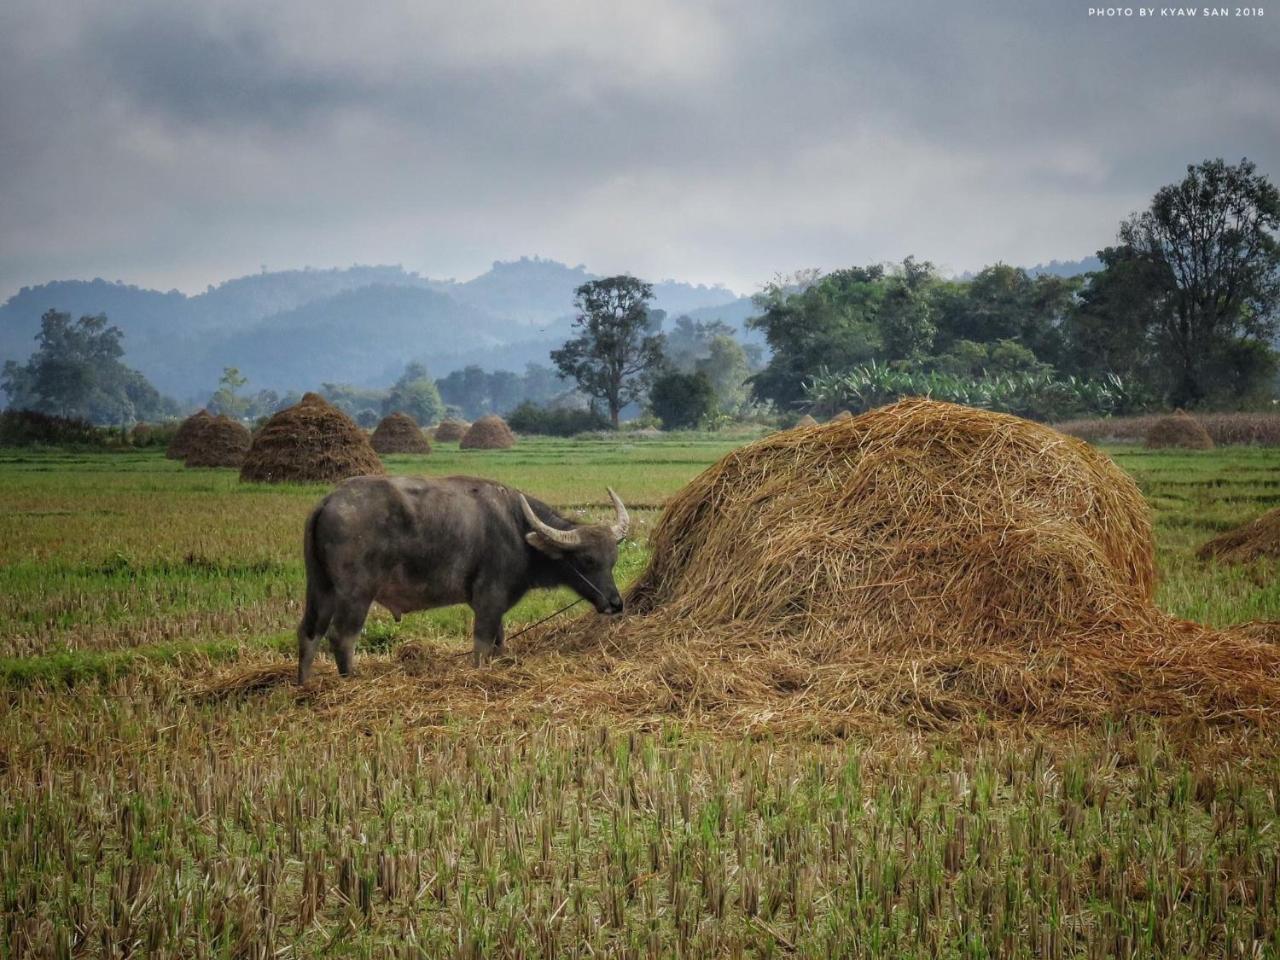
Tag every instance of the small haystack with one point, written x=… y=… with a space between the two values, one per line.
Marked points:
x=221 y=442
x=841 y=417
x=488 y=433
x=1258 y=538
x=806 y=421
x=1180 y=430
x=450 y=431
x=310 y=442
x=399 y=433
x=180 y=445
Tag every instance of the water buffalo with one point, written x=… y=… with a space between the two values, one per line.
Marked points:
x=412 y=543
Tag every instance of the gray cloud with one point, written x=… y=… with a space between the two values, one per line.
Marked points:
x=175 y=144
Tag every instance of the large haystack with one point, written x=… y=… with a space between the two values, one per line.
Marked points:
x=488 y=433
x=1179 y=430
x=310 y=442
x=180 y=445
x=399 y=433
x=221 y=442
x=922 y=562
x=1258 y=538
x=448 y=431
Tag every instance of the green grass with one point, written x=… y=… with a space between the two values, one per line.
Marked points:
x=141 y=815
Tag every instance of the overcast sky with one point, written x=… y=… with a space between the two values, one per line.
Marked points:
x=173 y=145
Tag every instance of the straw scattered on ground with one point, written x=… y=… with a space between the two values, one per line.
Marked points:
x=219 y=442
x=399 y=433
x=180 y=445
x=488 y=433
x=310 y=442
x=1252 y=541
x=1180 y=430
x=922 y=565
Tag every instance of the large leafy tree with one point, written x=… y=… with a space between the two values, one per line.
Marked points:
x=814 y=322
x=1211 y=242
x=76 y=372
x=1112 y=329
x=1005 y=303
x=618 y=346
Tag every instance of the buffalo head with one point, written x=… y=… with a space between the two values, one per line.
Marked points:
x=587 y=553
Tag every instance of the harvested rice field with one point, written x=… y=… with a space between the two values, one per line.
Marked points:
x=165 y=791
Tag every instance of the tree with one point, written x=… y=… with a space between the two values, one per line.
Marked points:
x=76 y=372
x=1112 y=329
x=682 y=400
x=905 y=317
x=617 y=349
x=415 y=393
x=468 y=390
x=726 y=369
x=1212 y=239
x=689 y=341
x=225 y=400
x=814 y=322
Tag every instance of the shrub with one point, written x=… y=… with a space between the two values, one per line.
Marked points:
x=555 y=422
x=682 y=400
x=153 y=434
x=1036 y=396
x=27 y=428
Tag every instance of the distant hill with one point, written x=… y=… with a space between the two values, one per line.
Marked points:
x=294 y=329
x=354 y=335
x=534 y=291
x=734 y=313
x=1066 y=268
x=1054 y=268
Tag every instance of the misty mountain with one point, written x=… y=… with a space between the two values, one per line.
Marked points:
x=535 y=291
x=294 y=329
x=357 y=337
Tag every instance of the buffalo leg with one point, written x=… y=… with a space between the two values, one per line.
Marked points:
x=313 y=627
x=487 y=637
x=347 y=623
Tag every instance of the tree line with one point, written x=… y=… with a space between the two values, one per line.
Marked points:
x=1182 y=313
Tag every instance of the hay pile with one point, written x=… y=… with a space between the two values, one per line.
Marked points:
x=1256 y=539
x=180 y=445
x=399 y=433
x=220 y=442
x=488 y=433
x=923 y=562
x=310 y=442
x=1178 y=430
x=921 y=565
x=448 y=431
x=841 y=416
x=806 y=421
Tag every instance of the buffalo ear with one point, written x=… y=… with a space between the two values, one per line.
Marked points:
x=539 y=542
